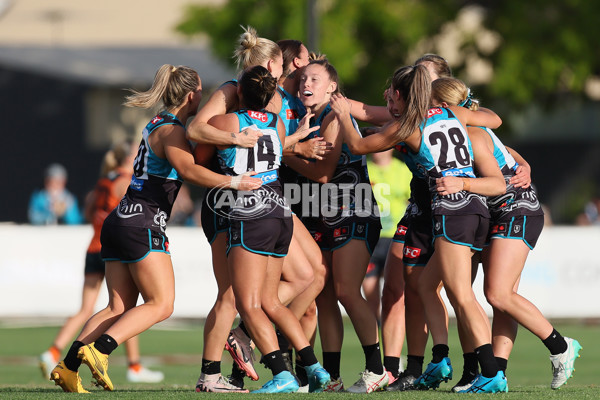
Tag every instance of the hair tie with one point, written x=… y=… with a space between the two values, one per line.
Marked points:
x=466 y=103
x=173 y=68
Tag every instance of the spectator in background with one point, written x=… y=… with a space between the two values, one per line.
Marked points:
x=590 y=216
x=385 y=169
x=54 y=204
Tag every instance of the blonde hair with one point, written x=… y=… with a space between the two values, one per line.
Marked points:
x=254 y=50
x=115 y=157
x=454 y=92
x=414 y=85
x=312 y=56
x=171 y=86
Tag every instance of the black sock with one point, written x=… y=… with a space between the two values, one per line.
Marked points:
x=414 y=365
x=331 y=363
x=487 y=362
x=71 y=360
x=274 y=361
x=555 y=343
x=300 y=371
x=392 y=365
x=282 y=341
x=471 y=365
x=243 y=328
x=237 y=373
x=210 y=367
x=105 y=344
x=502 y=364
x=440 y=351
x=373 y=358
x=307 y=355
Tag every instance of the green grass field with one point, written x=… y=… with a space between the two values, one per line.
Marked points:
x=176 y=349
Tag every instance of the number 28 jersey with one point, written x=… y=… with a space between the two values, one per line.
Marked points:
x=446 y=150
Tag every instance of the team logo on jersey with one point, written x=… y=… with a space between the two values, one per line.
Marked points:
x=262 y=117
x=401 y=230
x=433 y=111
x=160 y=219
x=156 y=120
x=411 y=252
x=291 y=114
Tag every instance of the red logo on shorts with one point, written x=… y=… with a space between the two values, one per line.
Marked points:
x=156 y=119
x=167 y=246
x=340 y=231
x=262 y=117
x=498 y=229
x=411 y=252
x=433 y=111
x=317 y=236
x=291 y=114
x=401 y=230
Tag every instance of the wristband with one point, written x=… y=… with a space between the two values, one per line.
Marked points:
x=466 y=185
x=235 y=182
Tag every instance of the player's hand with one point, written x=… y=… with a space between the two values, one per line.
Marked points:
x=247 y=137
x=522 y=177
x=316 y=148
x=245 y=182
x=448 y=185
x=304 y=128
x=339 y=105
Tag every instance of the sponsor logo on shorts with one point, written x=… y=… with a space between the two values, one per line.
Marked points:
x=167 y=246
x=498 y=228
x=318 y=236
x=156 y=241
x=411 y=252
x=438 y=226
x=517 y=228
x=340 y=231
x=360 y=228
x=126 y=210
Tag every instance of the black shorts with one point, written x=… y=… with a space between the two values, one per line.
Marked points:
x=93 y=263
x=268 y=236
x=330 y=238
x=522 y=227
x=401 y=228
x=418 y=242
x=212 y=224
x=377 y=263
x=468 y=230
x=129 y=244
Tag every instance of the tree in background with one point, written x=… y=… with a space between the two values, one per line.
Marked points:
x=511 y=50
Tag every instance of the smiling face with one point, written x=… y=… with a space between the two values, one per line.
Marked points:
x=395 y=102
x=316 y=87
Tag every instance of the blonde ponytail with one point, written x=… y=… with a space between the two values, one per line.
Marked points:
x=414 y=85
x=171 y=85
